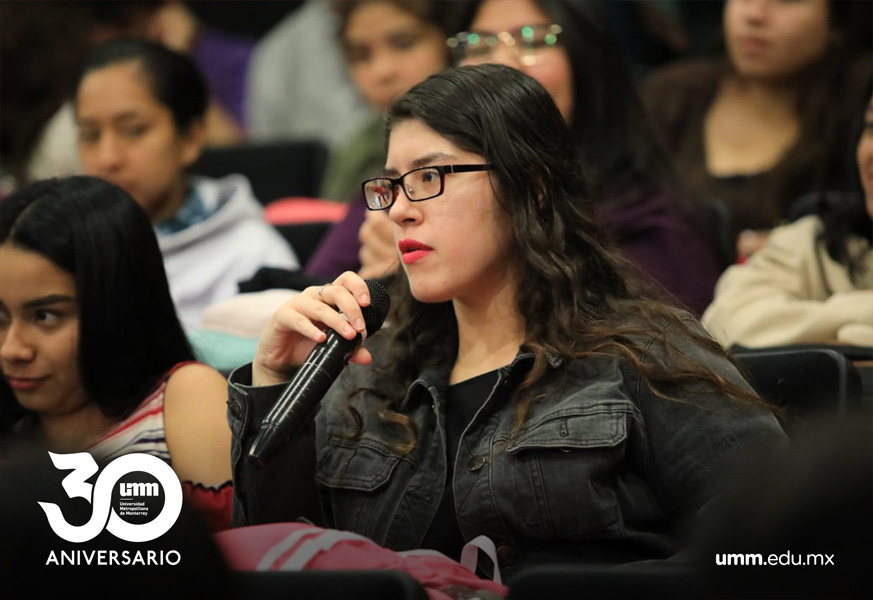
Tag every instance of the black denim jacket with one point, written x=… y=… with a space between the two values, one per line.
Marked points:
x=601 y=472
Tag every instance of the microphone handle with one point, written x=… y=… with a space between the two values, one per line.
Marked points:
x=300 y=399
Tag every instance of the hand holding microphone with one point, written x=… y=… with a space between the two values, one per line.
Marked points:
x=289 y=336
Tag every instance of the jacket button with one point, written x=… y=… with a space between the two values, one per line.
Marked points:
x=476 y=462
x=505 y=555
x=235 y=409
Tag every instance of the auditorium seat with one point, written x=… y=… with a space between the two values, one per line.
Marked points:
x=808 y=381
x=303 y=221
x=304 y=209
x=275 y=169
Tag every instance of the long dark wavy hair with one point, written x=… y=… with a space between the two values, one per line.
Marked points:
x=584 y=297
x=129 y=334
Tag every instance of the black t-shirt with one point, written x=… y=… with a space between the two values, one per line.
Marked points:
x=462 y=401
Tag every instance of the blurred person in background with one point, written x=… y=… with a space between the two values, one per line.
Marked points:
x=390 y=45
x=140 y=110
x=812 y=281
x=298 y=85
x=41 y=46
x=770 y=119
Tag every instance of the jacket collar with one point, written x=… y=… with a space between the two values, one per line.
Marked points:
x=434 y=377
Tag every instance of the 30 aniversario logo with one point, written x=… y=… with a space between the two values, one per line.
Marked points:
x=136 y=497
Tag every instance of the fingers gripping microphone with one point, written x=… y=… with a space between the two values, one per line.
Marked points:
x=304 y=392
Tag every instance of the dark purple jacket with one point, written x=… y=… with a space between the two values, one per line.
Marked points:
x=669 y=247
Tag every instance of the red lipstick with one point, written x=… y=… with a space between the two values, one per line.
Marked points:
x=412 y=250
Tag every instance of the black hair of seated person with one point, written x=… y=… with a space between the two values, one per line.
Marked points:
x=129 y=332
x=174 y=79
x=29 y=477
x=845 y=218
x=814 y=497
x=845 y=215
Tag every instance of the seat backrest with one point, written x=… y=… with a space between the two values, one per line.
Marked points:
x=304 y=221
x=304 y=237
x=647 y=579
x=327 y=585
x=274 y=169
x=807 y=382
x=719 y=216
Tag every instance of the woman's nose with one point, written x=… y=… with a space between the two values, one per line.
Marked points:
x=109 y=154
x=403 y=210
x=14 y=346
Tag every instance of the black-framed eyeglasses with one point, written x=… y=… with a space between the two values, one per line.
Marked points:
x=529 y=44
x=419 y=184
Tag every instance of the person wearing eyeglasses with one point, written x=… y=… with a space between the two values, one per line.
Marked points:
x=572 y=49
x=389 y=46
x=523 y=386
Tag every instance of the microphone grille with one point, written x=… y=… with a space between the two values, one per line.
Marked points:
x=380 y=302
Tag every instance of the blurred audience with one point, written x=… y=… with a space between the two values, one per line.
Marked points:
x=140 y=109
x=390 y=46
x=651 y=33
x=769 y=120
x=222 y=57
x=812 y=282
x=41 y=45
x=92 y=354
x=298 y=86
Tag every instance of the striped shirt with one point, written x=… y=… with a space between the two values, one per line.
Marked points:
x=142 y=431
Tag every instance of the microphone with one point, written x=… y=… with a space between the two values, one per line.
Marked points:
x=304 y=392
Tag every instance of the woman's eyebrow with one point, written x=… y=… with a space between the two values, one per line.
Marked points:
x=429 y=159
x=424 y=161
x=48 y=301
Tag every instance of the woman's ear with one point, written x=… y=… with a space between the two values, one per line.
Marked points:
x=193 y=140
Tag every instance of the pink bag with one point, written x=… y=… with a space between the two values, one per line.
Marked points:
x=300 y=546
